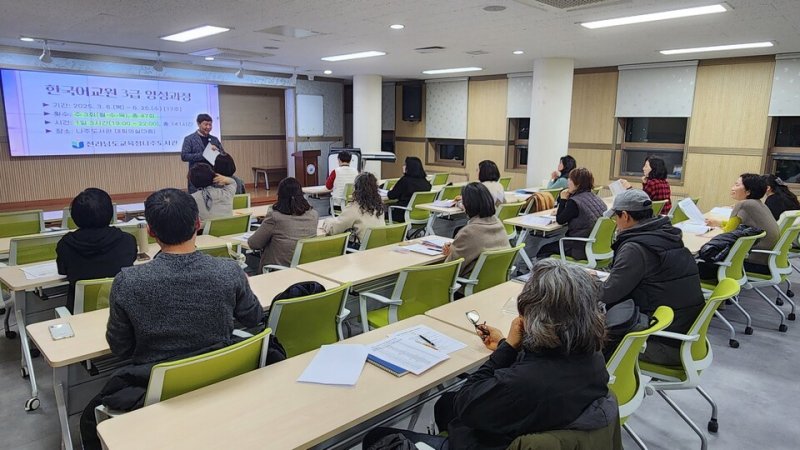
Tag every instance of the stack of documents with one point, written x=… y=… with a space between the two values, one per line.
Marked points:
x=245 y=236
x=48 y=269
x=697 y=222
x=444 y=203
x=616 y=188
x=538 y=220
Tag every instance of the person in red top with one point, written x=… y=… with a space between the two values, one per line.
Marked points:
x=654 y=182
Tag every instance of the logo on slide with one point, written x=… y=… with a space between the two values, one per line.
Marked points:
x=77 y=144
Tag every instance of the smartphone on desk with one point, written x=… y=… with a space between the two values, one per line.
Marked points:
x=61 y=331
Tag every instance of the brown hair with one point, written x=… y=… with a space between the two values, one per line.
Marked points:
x=582 y=178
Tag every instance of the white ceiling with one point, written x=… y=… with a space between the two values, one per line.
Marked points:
x=348 y=26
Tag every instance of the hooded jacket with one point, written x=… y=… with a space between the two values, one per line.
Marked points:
x=653 y=267
x=89 y=253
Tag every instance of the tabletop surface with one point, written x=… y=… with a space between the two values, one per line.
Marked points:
x=488 y=303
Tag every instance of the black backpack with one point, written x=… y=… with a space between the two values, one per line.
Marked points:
x=276 y=352
x=718 y=247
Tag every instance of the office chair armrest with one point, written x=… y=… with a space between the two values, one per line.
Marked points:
x=351 y=250
x=344 y=315
x=722 y=263
x=677 y=336
x=62 y=312
x=270 y=267
x=380 y=298
x=767 y=252
x=242 y=334
x=561 y=244
x=466 y=280
x=393 y=207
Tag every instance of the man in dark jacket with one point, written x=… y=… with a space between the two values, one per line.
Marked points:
x=652 y=267
x=195 y=144
x=95 y=249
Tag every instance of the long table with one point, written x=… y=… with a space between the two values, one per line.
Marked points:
x=489 y=303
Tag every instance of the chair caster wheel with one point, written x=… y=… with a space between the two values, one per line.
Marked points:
x=713 y=426
x=783 y=328
x=23 y=371
x=35 y=353
x=789 y=293
x=32 y=404
x=748 y=330
x=779 y=301
x=733 y=343
x=791 y=316
x=11 y=334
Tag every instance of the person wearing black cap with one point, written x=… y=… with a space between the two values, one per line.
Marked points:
x=653 y=267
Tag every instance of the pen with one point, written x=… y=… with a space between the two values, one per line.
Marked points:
x=428 y=341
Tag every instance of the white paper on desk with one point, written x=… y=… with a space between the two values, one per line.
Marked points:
x=210 y=154
x=409 y=355
x=602 y=275
x=48 y=269
x=442 y=342
x=616 y=188
x=437 y=241
x=692 y=211
x=245 y=236
x=424 y=249
x=724 y=211
x=510 y=306
x=444 y=203
x=531 y=219
x=383 y=192
x=336 y=364
x=694 y=228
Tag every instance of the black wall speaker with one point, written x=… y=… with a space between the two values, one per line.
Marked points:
x=412 y=102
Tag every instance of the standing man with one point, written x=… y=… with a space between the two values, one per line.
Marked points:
x=195 y=143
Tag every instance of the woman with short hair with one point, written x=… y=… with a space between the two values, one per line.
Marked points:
x=559 y=178
x=414 y=179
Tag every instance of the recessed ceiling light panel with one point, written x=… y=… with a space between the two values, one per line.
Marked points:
x=518 y=52
x=453 y=70
x=27 y=39
x=665 y=15
x=717 y=48
x=195 y=33
x=397 y=26
x=328 y=72
x=359 y=55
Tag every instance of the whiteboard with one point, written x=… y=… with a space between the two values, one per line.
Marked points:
x=309 y=115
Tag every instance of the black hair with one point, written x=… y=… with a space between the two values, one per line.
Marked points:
x=171 y=215
x=477 y=200
x=658 y=170
x=414 y=167
x=92 y=208
x=201 y=175
x=290 y=198
x=780 y=189
x=582 y=178
x=204 y=118
x=224 y=165
x=344 y=156
x=755 y=184
x=638 y=215
x=569 y=163
x=488 y=171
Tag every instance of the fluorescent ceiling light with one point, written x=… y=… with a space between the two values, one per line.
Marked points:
x=27 y=39
x=397 y=26
x=328 y=72
x=675 y=14
x=518 y=52
x=454 y=70
x=209 y=58
x=716 y=48
x=368 y=54
x=195 y=33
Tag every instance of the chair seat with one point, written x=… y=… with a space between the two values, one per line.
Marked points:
x=674 y=372
x=758 y=276
x=708 y=285
x=378 y=318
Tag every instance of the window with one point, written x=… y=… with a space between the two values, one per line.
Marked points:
x=517 y=150
x=387 y=141
x=448 y=152
x=664 y=137
x=784 y=159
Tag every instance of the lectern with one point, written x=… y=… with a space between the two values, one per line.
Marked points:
x=306 y=165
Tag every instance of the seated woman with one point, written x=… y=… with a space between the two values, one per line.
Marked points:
x=225 y=165
x=779 y=198
x=413 y=180
x=750 y=211
x=483 y=230
x=548 y=374
x=558 y=179
x=365 y=211
x=654 y=182
x=95 y=249
x=489 y=175
x=214 y=195
x=578 y=209
x=290 y=219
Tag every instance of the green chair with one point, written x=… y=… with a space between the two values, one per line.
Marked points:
x=733 y=267
x=241 y=201
x=625 y=377
x=337 y=204
x=440 y=179
x=173 y=378
x=389 y=183
x=418 y=289
x=21 y=223
x=90 y=295
x=306 y=323
x=227 y=250
x=696 y=356
x=33 y=249
x=554 y=192
x=787 y=219
x=676 y=214
x=596 y=190
x=508 y=211
x=380 y=236
x=224 y=226
x=415 y=217
x=492 y=268
x=315 y=249
x=68 y=223
x=449 y=192
x=658 y=205
x=598 y=245
x=505 y=182
x=606 y=438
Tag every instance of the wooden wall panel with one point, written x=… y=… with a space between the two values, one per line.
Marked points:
x=594 y=97
x=714 y=188
x=596 y=160
x=486 y=110
x=251 y=111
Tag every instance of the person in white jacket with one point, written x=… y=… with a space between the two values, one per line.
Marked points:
x=339 y=177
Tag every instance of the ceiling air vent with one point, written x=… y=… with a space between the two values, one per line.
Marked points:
x=477 y=52
x=432 y=49
x=569 y=5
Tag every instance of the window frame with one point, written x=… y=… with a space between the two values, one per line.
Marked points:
x=432 y=152
x=650 y=147
x=773 y=151
x=513 y=143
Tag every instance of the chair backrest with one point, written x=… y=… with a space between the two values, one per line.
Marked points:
x=20 y=223
x=658 y=205
x=306 y=323
x=780 y=263
x=91 y=295
x=598 y=250
x=419 y=216
x=440 y=179
x=349 y=188
x=554 y=192
x=787 y=219
x=241 y=201
x=68 y=223
x=219 y=251
x=607 y=438
x=449 y=192
x=508 y=211
x=33 y=249
x=389 y=183
x=379 y=236
x=423 y=288
x=318 y=248
x=733 y=265
x=677 y=215
x=223 y=226
x=623 y=366
x=171 y=379
x=701 y=348
x=492 y=268
x=505 y=182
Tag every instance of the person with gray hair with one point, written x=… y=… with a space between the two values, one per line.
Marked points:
x=548 y=374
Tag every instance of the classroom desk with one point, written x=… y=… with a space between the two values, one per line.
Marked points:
x=316 y=191
x=255 y=211
x=694 y=241
x=488 y=303
x=241 y=412
x=436 y=212
x=369 y=265
x=237 y=238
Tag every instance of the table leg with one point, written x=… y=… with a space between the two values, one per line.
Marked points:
x=429 y=226
x=27 y=362
x=255 y=180
x=61 y=389
x=523 y=234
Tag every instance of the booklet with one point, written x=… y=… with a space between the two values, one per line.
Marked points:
x=692 y=211
x=398 y=354
x=339 y=364
x=616 y=188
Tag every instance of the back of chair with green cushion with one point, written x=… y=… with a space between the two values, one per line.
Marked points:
x=658 y=205
x=389 y=183
x=623 y=365
x=218 y=251
x=21 y=223
x=349 y=188
x=727 y=288
x=787 y=219
x=676 y=213
x=420 y=198
x=380 y=236
x=225 y=226
x=33 y=249
x=606 y=438
x=241 y=201
x=492 y=268
x=306 y=323
x=450 y=192
x=440 y=179
x=320 y=247
x=91 y=295
x=554 y=192
x=508 y=211
x=736 y=257
x=171 y=379
x=603 y=239
x=784 y=244
x=426 y=287
x=505 y=182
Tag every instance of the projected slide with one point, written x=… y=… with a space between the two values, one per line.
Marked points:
x=55 y=114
